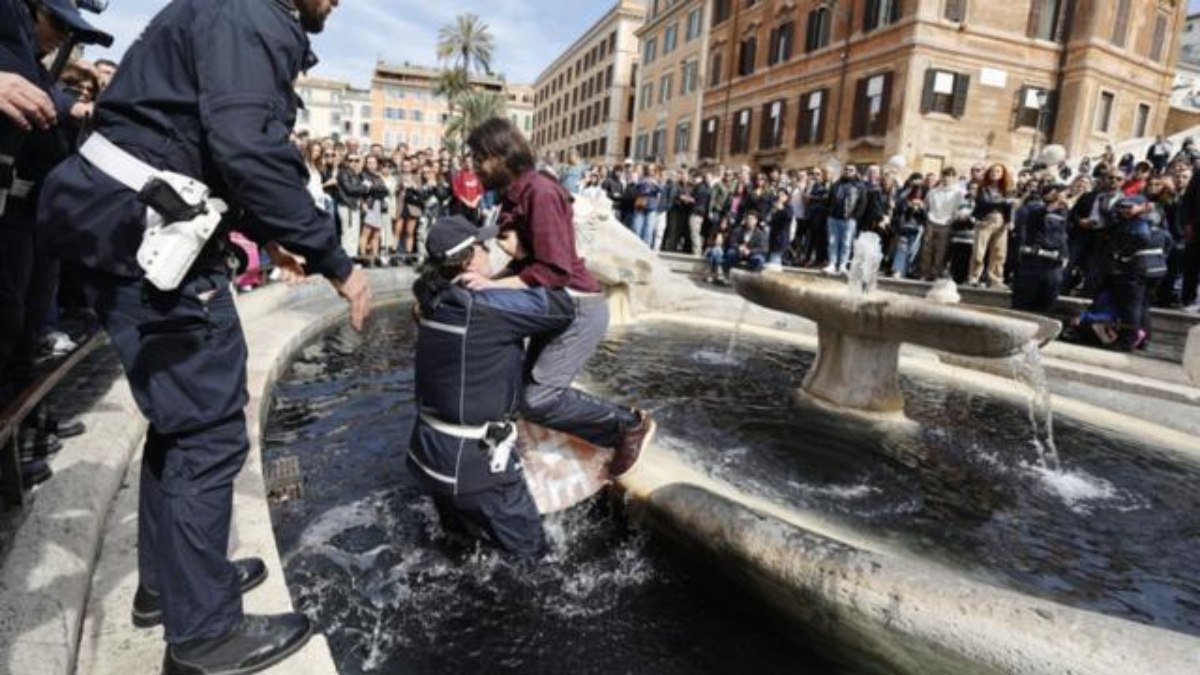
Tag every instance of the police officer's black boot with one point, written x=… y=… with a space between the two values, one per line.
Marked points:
x=147 y=610
x=257 y=643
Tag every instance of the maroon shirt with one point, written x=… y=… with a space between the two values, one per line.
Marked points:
x=540 y=211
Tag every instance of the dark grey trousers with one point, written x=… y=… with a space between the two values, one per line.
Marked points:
x=549 y=399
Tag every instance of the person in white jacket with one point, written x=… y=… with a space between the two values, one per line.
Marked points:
x=941 y=208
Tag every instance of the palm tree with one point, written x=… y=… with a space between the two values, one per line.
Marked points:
x=474 y=108
x=465 y=43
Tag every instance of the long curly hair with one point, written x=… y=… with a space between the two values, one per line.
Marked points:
x=1006 y=182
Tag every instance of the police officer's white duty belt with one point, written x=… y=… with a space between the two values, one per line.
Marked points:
x=1041 y=252
x=180 y=216
x=499 y=448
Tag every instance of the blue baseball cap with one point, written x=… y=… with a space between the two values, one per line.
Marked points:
x=66 y=12
x=454 y=234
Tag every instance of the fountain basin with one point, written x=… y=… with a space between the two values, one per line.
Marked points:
x=859 y=336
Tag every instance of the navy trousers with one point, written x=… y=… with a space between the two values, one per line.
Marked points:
x=1037 y=284
x=504 y=516
x=185 y=358
x=28 y=284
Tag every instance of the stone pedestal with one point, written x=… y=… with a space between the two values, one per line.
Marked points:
x=857 y=372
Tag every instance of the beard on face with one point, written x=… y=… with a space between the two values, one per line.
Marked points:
x=313 y=14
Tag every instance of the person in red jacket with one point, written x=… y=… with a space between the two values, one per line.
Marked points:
x=468 y=191
x=538 y=210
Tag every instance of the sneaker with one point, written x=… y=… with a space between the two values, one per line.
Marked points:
x=147 y=610
x=829 y=269
x=34 y=472
x=46 y=421
x=58 y=343
x=257 y=643
x=631 y=443
x=1142 y=340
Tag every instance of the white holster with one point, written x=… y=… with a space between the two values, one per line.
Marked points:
x=168 y=249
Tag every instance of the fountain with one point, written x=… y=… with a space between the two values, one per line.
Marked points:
x=860 y=330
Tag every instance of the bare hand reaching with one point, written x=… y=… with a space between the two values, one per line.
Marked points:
x=24 y=103
x=357 y=292
x=289 y=264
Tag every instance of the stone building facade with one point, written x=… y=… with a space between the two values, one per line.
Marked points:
x=333 y=109
x=518 y=100
x=939 y=82
x=406 y=109
x=670 y=86
x=584 y=99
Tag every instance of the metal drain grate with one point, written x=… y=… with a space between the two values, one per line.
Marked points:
x=284 y=480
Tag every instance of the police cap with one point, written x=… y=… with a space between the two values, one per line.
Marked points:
x=1127 y=202
x=454 y=234
x=66 y=12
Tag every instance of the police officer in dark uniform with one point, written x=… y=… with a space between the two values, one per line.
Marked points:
x=31 y=144
x=470 y=366
x=1137 y=264
x=197 y=120
x=1041 y=251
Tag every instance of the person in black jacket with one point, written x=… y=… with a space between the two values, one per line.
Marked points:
x=1041 y=252
x=374 y=210
x=203 y=99
x=1137 y=263
x=846 y=203
x=470 y=365
x=350 y=194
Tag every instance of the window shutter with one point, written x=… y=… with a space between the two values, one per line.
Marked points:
x=859 y=121
x=1050 y=114
x=870 y=11
x=962 y=83
x=810 y=30
x=894 y=13
x=764 y=130
x=1035 y=18
x=802 y=119
x=927 y=92
x=885 y=106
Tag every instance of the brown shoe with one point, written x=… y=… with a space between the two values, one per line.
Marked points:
x=631 y=443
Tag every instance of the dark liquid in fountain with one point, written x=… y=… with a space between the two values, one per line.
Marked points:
x=1116 y=531
x=364 y=555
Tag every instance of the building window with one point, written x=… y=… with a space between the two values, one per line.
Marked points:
x=1104 y=111
x=714 y=70
x=1141 y=120
x=670 y=38
x=647 y=95
x=665 y=84
x=1121 y=24
x=771 y=133
x=658 y=144
x=871 y=106
x=1158 y=43
x=416 y=115
x=608 y=76
x=708 y=137
x=746 y=53
x=683 y=137
x=810 y=128
x=781 y=43
x=693 y=25
x=612 y=42
x=945 y=92
x=879 y=13
x=955 y=10
x=1043 y=20
x=649 y=51
x=819 y=29
x=365 y=111
x=688 y=76
x=722 y=9
x=639 y=147
x=739 y=141
x=1030 y=104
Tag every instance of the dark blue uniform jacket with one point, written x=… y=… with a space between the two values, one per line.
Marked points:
x=206 y=91
x=36 y=152
x=470 y=370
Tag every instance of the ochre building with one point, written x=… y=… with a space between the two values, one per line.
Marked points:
x=940 y=82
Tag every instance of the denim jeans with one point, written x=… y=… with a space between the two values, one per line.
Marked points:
x=643 y=226
x=752 y=262
x=714 y=256
x=908 y=244
x=841 y=240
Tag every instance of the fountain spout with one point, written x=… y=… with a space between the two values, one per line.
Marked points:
x=859 y=335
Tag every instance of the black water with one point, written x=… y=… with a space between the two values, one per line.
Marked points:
x=1116 y=531
x=365 y=558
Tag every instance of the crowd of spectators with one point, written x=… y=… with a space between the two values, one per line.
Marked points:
x=975 y=227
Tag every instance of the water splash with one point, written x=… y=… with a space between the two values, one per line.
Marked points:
x=1028 y=369
x=864 y=268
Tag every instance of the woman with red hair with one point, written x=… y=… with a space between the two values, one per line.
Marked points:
x=993 y=221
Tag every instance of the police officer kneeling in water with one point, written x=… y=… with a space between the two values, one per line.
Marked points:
x=196 y=122
x=469 y=370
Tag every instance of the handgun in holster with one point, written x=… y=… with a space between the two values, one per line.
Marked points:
x=180 y=219
x=500 y=440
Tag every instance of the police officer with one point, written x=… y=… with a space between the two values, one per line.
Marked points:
x=1041 y=251
x=31 y=143
x=1138 y=263
x=200 y=110
x=470 y=365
